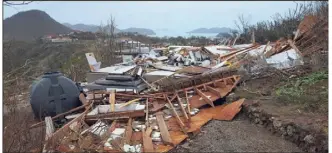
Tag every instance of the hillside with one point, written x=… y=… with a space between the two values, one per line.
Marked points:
x=82 y=27
x=29 y=25
x=95 y=28
x=211 y=30
x=142 y=31
x=86 y=27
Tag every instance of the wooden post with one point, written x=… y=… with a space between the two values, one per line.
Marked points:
x=112 y=100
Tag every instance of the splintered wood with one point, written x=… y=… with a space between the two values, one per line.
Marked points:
x=163 y=128
x=147 y=142
x=206 y=99
x=176 y=115
x=129 y=131
x=142 y=123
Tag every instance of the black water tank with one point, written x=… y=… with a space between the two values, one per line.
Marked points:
x=53 y=94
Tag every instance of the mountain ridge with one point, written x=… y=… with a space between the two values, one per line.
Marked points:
x=211 y=30
x=30 y=25
x=95 y=28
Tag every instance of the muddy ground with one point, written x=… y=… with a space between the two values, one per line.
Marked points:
x=238 y=135
x=309 y=112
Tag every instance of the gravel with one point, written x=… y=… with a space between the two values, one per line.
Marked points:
x=238 y=135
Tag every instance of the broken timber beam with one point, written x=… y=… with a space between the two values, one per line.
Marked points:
x=49 y=131
x=178 y=119
x=49 y=127
x=163 y=128
x=188 y=105
x=205 y=98
x=147 y=142
x=62 y=114
x=129 y=102
x=213 y=90
x=129 y=131
x=291 y=43
x=115 y=115
x=182 y=109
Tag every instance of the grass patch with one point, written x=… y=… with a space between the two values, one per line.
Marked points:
x=310 y=92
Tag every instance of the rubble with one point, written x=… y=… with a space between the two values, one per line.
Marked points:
x=152 y=103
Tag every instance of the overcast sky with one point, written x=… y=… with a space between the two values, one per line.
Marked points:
x=183 y=15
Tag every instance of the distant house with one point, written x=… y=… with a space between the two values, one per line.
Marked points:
x=61 y=40
x=56 y=38
x=134 y=43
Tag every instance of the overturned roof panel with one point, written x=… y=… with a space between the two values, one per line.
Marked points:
x=218 y=49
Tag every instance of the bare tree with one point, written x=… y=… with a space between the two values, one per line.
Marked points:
x=107 y=47
x=243 y=23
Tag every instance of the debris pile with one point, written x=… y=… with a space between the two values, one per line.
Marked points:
x=116 y=121
x=152 y=103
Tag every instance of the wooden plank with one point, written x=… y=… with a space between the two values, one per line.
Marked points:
x=165 y=136
x=60 y=115
x=130 y=95
x=181 y=106
x=205 y=98
x=129 y=102
x=61 y=133
x=150 y=85
x=148 y=131
x=147 y=142
x=115 y=115
x=189 y=88
x=49 y=127
x=129 y=131
x=112 y=100
x=112 y=127
x=174 y=96
x=213 y=90
x=220 y=84
x=156 y=106
x=83 y=99
x=178 y=119
x=291 y=43
x=49 y=131
x=188 y=105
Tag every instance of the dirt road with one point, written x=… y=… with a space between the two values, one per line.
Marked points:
x=238 y=135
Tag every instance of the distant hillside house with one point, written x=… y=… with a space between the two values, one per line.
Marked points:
x=56 y=38
x=136 y=44
x=61 y=40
